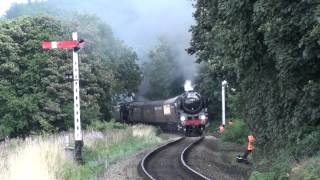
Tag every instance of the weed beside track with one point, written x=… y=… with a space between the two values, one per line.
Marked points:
x=45 y=157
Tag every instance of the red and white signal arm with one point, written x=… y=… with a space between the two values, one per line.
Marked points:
x=59 y=44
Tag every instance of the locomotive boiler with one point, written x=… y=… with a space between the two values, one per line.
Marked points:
x=186 y=112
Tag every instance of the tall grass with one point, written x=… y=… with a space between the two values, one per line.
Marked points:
x=285 y=167
x=103 y=126
x=272 y=166
x=308 y=169
x=34 y=158
x=113 y=145
x=45 y=157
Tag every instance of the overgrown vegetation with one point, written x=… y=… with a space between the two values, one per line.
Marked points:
x=256 y=175
x=285 y=166
x=237 y=132
x=103 y=126
x=35 y=158
x=271 y=166
x=308 y=169
x=34 y=95
x=269 y=52
x=114 y=144
x=45 y=157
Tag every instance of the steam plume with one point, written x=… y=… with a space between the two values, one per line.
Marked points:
x=188 y=85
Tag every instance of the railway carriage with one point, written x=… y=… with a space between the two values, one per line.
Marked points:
x=187 y=113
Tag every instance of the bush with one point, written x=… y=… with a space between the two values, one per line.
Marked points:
x=310 y=169
x=237 y=132
x=309 y=143
x=103 y=126
x=276 y=165
x=213 y=127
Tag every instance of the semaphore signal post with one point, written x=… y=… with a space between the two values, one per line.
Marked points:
x=76 y=45
x=224 y=84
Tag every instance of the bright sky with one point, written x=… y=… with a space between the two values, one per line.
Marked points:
x=5 y=4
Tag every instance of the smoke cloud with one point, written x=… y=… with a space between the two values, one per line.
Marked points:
x=140 y=24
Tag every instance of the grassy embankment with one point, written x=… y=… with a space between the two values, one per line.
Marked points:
x=277 y=165
x=45 y=157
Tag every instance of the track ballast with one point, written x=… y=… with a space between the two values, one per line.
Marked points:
x=168 y=161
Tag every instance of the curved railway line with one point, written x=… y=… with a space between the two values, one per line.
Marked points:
x=215 y=159
x=169 y=161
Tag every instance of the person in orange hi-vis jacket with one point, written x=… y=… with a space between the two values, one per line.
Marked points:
x=250 y=148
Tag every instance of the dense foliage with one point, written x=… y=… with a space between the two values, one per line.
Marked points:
x=237 y=132
x=162 y=73
x=33 y=9
x=35 y=96
x=269 y=51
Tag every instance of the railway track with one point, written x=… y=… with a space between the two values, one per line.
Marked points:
x=216 y=159
x=169 y=161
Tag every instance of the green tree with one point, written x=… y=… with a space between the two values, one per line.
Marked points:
x=29 y=76
x=269 y=51
x=34 y=95
x=112 y=64
x=162 y=73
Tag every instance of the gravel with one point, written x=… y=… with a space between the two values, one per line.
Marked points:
x=127 y=167
x=165 y=164
x=212 y=157
x=217 y=160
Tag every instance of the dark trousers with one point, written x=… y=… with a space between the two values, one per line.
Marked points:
x=246 y=153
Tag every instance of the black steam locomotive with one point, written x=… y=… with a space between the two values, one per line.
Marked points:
x=186 y=112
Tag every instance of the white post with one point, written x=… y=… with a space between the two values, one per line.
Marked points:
x=224 y=83
x=76 y=105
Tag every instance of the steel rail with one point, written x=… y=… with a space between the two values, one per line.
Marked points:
x=143 y=169
x=186 y=167
x=152 y=153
